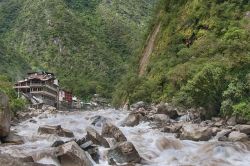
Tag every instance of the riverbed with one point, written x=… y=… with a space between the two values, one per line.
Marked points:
x=145 y=138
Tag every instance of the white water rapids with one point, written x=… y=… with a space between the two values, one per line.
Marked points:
x=145 y=139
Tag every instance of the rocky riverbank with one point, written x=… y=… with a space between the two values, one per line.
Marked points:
x=145 y=135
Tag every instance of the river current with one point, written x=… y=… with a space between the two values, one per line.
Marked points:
x=146 y=139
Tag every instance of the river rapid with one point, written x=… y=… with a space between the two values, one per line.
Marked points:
x=145 y=138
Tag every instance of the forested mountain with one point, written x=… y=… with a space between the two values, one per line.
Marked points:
x=194 y=53
x=201 y=58
x=87 y=43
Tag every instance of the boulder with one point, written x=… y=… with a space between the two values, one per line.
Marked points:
x=160 y=118
x=57 y=130
x=98 y=120
x=223 y=135
x=123 y=153
x=111 y=131
x=167 y=109
x=195 y=132
x=175 y=128
x=244 y=129
x=138 y=105
x=168 y=143
x=70 y=154
x=237 y=136
x=57 y=143
x=5 y=115
x=132 y=120
x=231 y=121
x=96 y=138
x=13 y=138
x=7 y=160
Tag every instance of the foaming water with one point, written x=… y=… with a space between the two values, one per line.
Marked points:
x=156 y=148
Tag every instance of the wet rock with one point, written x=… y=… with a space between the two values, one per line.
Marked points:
x=237 y=136
x=99 y=120
x=5 y=115
x=70 y=154
x=168 y=110
x=57 y=130
x=57 y=143
x=195 y=132
x=243 y=129
x=111 y=131
x=132 y=120
x=175 y=128
x=96 y=138
x=223 y=135
x=168 y=143
x=32 y=121
x=81 y=141
x=138 y=105
x=7 y=160
x=123 y=153
x=160 y=118
x=231 y=121
x=13 y=138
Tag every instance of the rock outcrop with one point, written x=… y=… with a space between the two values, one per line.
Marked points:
x=5 y=115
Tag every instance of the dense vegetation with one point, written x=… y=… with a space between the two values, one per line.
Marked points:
x=16 y=104
x=87 y=43
x=201 y=58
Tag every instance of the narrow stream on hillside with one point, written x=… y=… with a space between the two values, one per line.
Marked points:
x=145 y=139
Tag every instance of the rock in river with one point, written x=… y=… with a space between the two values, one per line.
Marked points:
x=237 y=136
x=58 y=130
x=124 y=153
x=111 y=131
x=70 y=154
x=195 y=132
x=96 y=138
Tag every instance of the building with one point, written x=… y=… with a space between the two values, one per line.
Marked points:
x=39 y=88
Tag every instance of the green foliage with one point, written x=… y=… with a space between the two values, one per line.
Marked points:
x=16 y=104
x=87 y=43
x=205 y=89
x=203 y=47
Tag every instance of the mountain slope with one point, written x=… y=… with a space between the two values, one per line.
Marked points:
x=86 y=43
x=200 y=59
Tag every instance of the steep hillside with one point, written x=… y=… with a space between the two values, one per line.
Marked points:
x=201 y=58
x=87 y=43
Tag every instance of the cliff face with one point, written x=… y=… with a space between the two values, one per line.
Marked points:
x=200 y=57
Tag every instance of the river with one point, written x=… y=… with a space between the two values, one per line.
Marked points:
x=145 y=138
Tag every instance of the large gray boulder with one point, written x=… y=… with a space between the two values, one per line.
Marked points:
x=195 y=132
x=13 y=138
x=123 y=153
x=237 y=136
x=111 y=131
x=243 y=129
x=5 y=115
x=70 y=154
x=96 y=138
x=167 y=109
x=132 y=120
